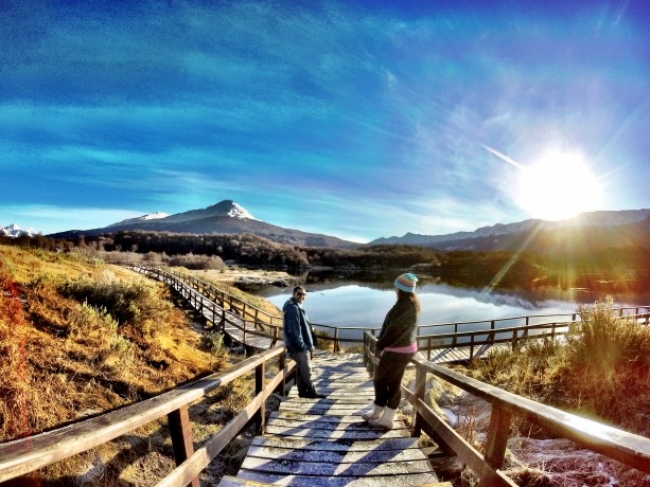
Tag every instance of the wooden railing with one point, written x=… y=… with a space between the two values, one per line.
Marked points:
x=630 y=449
x=515 y=336
x=219 y=307
x=20 y=457
x=221 y=297
x=522 y=321
x=431 y=337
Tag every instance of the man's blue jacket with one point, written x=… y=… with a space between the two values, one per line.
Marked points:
x=296 y=328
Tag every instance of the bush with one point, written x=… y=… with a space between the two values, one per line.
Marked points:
x=212 y=343
x=603 y=369
x=126 y=302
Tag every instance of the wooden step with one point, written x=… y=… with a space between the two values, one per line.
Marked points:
x=396 y=481
x=325 y=442
x=340 y=445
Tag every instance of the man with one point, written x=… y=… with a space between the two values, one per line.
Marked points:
x=299 y=342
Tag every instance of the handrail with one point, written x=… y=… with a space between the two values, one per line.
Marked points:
x=527 y=318
x=511 y=335
x=194 y=290
x=425 y=337
x=25 y=455
x=628 y=448
x=221 y=296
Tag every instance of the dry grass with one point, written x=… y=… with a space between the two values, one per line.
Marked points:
x=603 y=371
x=79 y=337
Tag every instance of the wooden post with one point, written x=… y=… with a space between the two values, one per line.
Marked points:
x=497 y=437
x=180 y=429
x=260 y=372
x=282 y=364
x=420 y=389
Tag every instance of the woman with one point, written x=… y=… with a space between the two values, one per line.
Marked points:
x=397 y=345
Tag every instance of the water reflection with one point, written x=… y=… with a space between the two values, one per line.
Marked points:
x=353 y=304
x=363 y=300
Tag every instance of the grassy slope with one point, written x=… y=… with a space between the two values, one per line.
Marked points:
x=63 y=359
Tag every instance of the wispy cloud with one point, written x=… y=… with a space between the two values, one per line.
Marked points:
x=302 y=110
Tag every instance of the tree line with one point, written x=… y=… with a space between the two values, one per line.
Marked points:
x=479 y=268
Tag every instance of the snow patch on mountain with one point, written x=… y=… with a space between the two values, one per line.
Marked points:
x=154 y=216
x=149 y=216
x=14 y=231
x=238 y=211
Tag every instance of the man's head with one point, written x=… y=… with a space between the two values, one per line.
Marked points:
x=299 y=294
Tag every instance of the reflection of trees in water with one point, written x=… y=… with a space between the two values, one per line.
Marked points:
x=628 y=286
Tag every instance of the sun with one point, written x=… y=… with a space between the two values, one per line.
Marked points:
x=557 y=186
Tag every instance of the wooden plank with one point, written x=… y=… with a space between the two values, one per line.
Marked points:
x=340 y=457
x=322 y=409
x=398 y=480
x=341 y=400
x=293 y=415
x=337 y=434
x=326 y=423
x=354 y=469
x=403 y=480
x=377 y=444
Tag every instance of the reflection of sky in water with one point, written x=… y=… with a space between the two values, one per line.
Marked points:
x=356 y=305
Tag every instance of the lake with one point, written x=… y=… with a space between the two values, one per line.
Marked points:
x=346 y=303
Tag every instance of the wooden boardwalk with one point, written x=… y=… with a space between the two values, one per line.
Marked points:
x=226 y=320
x=460 y=354
x=234 y=326
x=325 y=442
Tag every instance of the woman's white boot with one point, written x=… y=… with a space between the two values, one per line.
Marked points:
x=386 y=420
x=374 y=413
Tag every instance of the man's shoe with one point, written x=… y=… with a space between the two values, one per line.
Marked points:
x=312 y=395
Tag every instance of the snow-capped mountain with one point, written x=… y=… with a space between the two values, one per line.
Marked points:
x=14 y=230
x=226 y=217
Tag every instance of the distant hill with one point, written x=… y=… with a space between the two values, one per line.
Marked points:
x=588 y=231
x=225 y=217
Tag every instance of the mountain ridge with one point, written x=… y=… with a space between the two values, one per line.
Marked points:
x=589 y=231
x=224 y=217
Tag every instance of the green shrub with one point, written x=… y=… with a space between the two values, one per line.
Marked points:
x=212 y=342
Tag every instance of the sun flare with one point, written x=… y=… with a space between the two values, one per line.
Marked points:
x=557 y=186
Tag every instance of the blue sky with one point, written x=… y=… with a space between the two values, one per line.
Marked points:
x=354 y=119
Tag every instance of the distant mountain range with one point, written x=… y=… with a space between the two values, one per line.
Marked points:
x=588 y=231
x=222 y=218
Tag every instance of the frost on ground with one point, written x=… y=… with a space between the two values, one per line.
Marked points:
x=529 y=462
